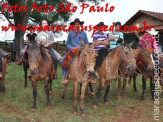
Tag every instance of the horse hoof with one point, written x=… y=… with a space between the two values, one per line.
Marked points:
x=135 y=91
x=124 y=96
x=118 y=98
x=50 y=92
x=62 y=97
x=75 y=112
x=82 y=115
x=106 y=103
x=25 y=87
x=33 y=109
x=49 y=107
x=142 y=101
x=93 y=94
x=94 y=106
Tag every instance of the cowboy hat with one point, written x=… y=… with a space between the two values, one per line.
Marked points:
x=152 y=31
x=101 y=24
x=77 y=20
x=42 y=37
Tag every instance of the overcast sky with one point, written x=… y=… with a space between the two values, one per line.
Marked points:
x=124 y=9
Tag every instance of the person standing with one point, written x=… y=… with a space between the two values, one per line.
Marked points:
x=13 y=51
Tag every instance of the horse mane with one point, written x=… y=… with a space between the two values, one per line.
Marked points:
x=102 y=53
x=43 y=53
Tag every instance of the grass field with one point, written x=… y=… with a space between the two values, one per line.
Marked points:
x=16 y=103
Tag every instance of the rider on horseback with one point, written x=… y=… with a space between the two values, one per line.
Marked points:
x=73 y=43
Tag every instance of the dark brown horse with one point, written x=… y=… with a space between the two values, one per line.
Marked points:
x=41 y=68
x=145 y=67
x=144 y=63
x=108 y=70
x=79 y=71
x=2 y=80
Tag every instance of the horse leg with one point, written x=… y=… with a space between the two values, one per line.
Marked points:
x=124 y=87
x=64 y=91
x=47 y=93
x=106 y=92
x=152 y=87
x=2 y=86
x=134 y=82
x=25 y=75
x=130 y=79
x=82 y=96
x=119 y=88
x=50 y=88
x=98 y=94
x=34 y=85
x=91 y=89
x=143 y=87
x=75 y=96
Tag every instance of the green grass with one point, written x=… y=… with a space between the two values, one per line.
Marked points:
x=16 y=103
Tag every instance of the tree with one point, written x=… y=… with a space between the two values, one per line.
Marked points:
x=23 y=17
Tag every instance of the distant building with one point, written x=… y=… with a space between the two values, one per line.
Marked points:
x=151 y=18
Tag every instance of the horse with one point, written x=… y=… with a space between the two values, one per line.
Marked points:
x=142 y=56
x=145 y=67
x=41 y=68
x=79 y=71
x=107 y=71
x=2 y=80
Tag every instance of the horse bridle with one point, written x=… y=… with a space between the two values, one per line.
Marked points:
x=125 y=60
x=86 y=64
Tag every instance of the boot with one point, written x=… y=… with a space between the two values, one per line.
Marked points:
x=92 y=81
x=64 y=82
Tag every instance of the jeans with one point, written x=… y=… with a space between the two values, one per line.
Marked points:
x=21 y=52
x=1 y=63
x=54 y=58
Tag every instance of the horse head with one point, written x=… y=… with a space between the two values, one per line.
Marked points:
x=147 y=59
x=34 y=57
x=87 y=56
x=127 y=57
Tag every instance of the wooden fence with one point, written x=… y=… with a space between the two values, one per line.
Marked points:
x=59 y=46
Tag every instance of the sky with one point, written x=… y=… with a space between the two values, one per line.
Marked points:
x=124 y=10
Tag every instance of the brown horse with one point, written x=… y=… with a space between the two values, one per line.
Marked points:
x=143 y=59
x=79 y=71
x=4 y=66
x=145 y=67
x=41 y=68
x=108 y=70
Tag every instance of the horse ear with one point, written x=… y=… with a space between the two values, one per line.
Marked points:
x=79 y=52
x=82 y=43
x=124 y=44
x=130 y=44
x=93 y=44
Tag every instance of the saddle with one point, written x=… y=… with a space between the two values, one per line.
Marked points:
x=69 y=57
